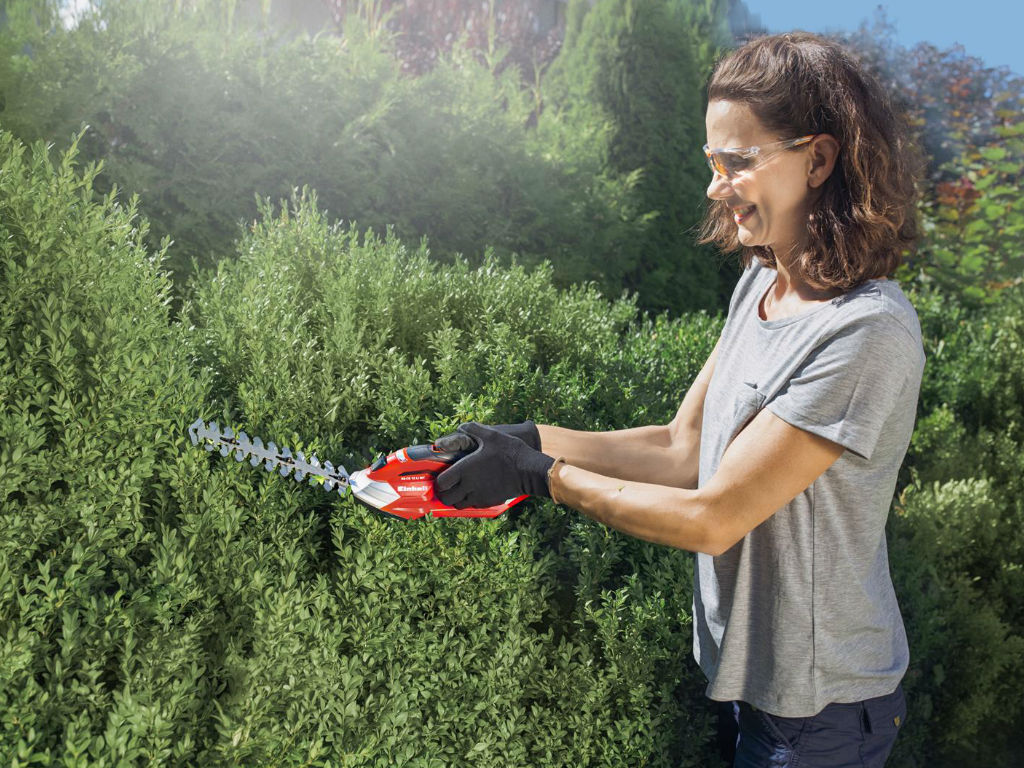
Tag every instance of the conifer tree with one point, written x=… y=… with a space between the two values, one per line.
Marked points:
x=643 y=64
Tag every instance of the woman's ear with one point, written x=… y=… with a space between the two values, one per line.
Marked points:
x=823 y=152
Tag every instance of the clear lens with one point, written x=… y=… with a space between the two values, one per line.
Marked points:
x=734 y=162
x=728 y=164
x=731 y=162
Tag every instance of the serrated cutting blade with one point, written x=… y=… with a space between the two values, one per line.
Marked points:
x=212 y=438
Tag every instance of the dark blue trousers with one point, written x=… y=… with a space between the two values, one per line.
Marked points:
x=859 y=735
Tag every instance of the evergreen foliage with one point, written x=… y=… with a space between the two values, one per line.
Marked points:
x=354 y=338
x=640 y=66
x=104 y=608
x=201 y=114
x=956 y=545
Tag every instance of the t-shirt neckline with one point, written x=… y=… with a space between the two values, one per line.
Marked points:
x=784 y=321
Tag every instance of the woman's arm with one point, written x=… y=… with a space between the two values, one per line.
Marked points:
x=660 y=454
x=762 y=470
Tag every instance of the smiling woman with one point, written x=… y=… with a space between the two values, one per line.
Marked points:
x=779 y=467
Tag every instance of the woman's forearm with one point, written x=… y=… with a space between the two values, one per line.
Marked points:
x=642 y=454
x=677 y=517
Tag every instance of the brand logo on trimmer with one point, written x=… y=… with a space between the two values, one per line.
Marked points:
x=413 y=488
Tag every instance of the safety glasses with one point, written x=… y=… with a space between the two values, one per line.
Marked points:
x=734 y=161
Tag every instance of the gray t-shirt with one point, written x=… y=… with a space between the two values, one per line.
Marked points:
x=802 y=613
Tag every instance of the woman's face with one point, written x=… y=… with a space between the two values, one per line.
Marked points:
x=771 y=202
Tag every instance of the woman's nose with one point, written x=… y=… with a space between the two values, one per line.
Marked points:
x=719 y=188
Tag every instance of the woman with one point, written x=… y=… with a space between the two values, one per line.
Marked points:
x=779 y=468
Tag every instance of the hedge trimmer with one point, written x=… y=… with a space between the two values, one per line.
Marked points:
x=400 y=484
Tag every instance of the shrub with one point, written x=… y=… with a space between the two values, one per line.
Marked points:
x=975 y=222
x=160 y=605
x=956 y=546
x=323 y=329
x=973 y=387
x=103 y=616
x=955 y=550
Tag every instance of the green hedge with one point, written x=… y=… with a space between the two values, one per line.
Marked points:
x=321 y=330
x=104 y=613
x=956 y=540
x=162 y=605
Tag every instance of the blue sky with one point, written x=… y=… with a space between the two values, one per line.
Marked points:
x=988 y=29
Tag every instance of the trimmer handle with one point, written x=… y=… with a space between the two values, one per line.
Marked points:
x=416 y=453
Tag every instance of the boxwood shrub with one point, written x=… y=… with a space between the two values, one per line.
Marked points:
x=160 y=605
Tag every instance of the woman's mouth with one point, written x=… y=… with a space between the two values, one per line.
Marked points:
x=740 y=214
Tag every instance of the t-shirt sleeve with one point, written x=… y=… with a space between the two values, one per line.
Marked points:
x=847 y=387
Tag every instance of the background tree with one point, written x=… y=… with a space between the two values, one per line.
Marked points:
x=968 y=120
x=201 y=110
x=639 y=65
x=521 y=33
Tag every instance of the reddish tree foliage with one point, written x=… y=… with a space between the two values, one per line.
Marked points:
x=957 y=103
x=524 y=33
x=959 y=194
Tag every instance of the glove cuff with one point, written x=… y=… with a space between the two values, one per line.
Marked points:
x=526 y=431
x=533 y=469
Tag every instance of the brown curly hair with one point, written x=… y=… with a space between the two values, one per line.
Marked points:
x=864 y=218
